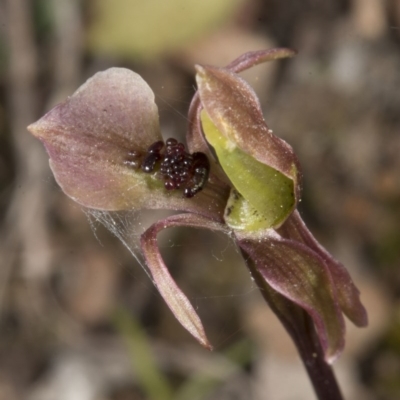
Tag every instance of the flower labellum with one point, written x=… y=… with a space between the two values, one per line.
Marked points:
x=96 y=140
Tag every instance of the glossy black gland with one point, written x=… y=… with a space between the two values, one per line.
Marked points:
x=153 y=155
x=133 y=159
x=171 y=142
x=201 y=167
x=156 y=147
x=178 y=168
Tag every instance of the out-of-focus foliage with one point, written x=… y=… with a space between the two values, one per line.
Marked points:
x=153 y=381
x=144 y=29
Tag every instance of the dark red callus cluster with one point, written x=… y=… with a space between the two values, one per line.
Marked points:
x=178 y=168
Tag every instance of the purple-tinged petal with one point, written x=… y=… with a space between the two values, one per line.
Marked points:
x=348 y=295
x=173 y=296
x=300 y=275
x=234 y=109
x=194 y=136
x=89 y=137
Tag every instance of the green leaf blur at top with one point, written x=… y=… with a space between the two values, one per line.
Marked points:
x=144 y=29
x=269 y=193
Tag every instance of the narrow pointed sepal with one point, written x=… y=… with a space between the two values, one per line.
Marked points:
x=348 y=295
x=300 y=275
x=253 y=58
x=169 y=290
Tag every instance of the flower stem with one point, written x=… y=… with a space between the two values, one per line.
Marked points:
x=300 y=327
x=319 y=371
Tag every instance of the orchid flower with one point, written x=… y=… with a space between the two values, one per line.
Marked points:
x=107 y=153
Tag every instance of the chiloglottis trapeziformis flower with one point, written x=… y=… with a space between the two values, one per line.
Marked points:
x=107 y=153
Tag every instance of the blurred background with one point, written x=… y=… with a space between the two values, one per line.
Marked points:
x=79 y=319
